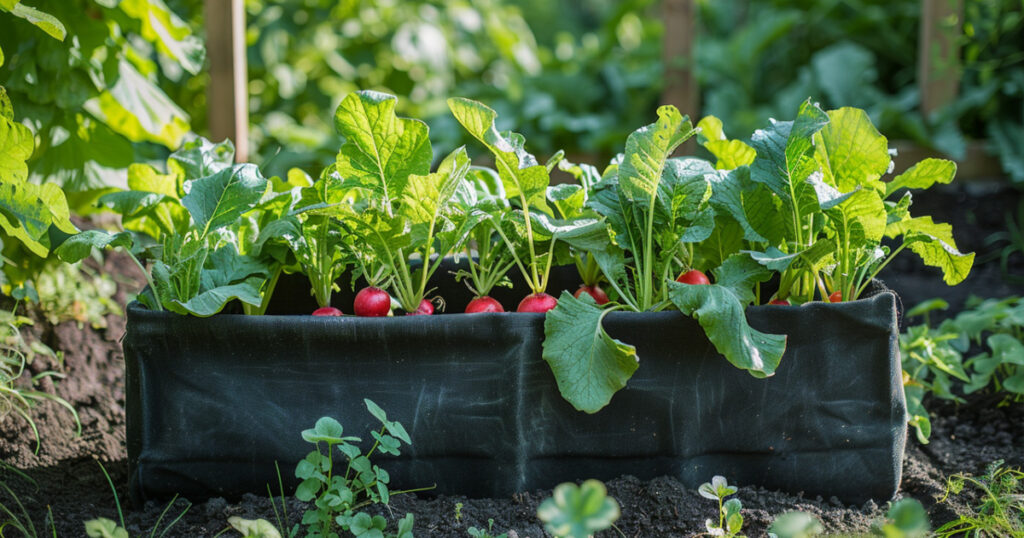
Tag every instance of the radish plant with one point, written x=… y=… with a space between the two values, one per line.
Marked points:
x=487 y=255
x=528 y=230
x=655 y=207
x=407 y=217
x=187 y=222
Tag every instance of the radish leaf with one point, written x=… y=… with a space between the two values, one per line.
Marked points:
x=589 y=366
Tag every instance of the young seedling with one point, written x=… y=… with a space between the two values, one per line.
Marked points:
x=480 y=533
x=578 y=511
x=906 y=518
x=338 y=496
x=730 y=521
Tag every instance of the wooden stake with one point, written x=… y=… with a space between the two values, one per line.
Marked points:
x=228 y=94
x=678 y=57
x=938 y=65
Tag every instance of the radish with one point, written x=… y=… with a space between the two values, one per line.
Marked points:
x=538 y=303
x=781 y=302
x=693 y=276
x=327 y=311
x=372 y=302
x=595 y=291
x=483 y=304
x=426 y=308
x=836 y=297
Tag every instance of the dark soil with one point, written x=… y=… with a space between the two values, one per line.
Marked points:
x=69 y=481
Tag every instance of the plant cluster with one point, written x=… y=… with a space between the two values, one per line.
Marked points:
x=905 y=518
x=730 y=520
x=979 y=350
x=18 y=386
x=804 y=205
x=1001 y=508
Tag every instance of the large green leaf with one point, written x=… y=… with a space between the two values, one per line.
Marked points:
x=42 y=20
x=923 y=175
x=172 y=35
x=647 y=150
x=748 y=204
x=589 y=366
x=209 y=302
x=381 y=150
x=934 y=243
x=719 y=308
x=25 y=216
x=79 y=246
x=428 y=196
x=783 y=161
x=137 y=109
x=222 y=198
x=520 y=173
x=852 y=152
x=16 y=146
x=730 y=154
x=200 y=158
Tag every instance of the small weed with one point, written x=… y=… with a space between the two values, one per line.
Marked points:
x=730 y=521
x=1001 y=512
x=19 y=395
x=106 y=528
x=458 y=511
x=480 y=533
x=338 y=497
x=578 y=511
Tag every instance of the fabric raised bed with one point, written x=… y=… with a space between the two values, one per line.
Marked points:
x=213 y=403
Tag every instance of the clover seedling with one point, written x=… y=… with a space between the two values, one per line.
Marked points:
x=578 y=511
x=336 y=496
x=730 y=521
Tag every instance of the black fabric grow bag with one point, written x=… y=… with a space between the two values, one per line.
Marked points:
x=213 y=403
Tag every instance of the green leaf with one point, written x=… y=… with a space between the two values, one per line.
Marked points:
x=731 y=154
x=923 y=175
x=172 y=36
x=647 y=150
x=44 y=21
x=783 y=149
x=200 y=158
x=719 y=308
x=796 y=525
x=381 y=150
x=589 y=366
x=79 y=246
x=258 y=528
x=859 y=220
x=104 y=528
x=427 y=197
x=16 y=146
x=718 y=488
x=934 y=243
x=578 y=511
x=210 y=301
x=852 y=152
x=520 y=173
x=139 y=110
x=219 y=200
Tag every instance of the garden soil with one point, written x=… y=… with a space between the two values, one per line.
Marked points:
x=68 y=481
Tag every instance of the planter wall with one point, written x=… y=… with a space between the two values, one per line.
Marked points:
x=213 y=403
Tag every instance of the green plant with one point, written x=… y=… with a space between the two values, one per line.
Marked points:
x=905 y=518
x=199 y=224
x=578 y=511
x=1001 y=512
x=259 y=528
x=458 y=512
x=795 y=525
x=84 y=75
x=730 y=521
x=338 y=497
x=480 y=533
x=19 y=395
x=934 y=357
x=106 y=528
x=16 y=516
x=76 y=292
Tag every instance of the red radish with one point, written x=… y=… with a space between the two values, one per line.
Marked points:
x=537 y=302
x=693 y=276
x=782 y=302
x=595 y=291
x=426 y=308
x=836 y=297
x=327 y=311
x=483 y=304
x=372 y=302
